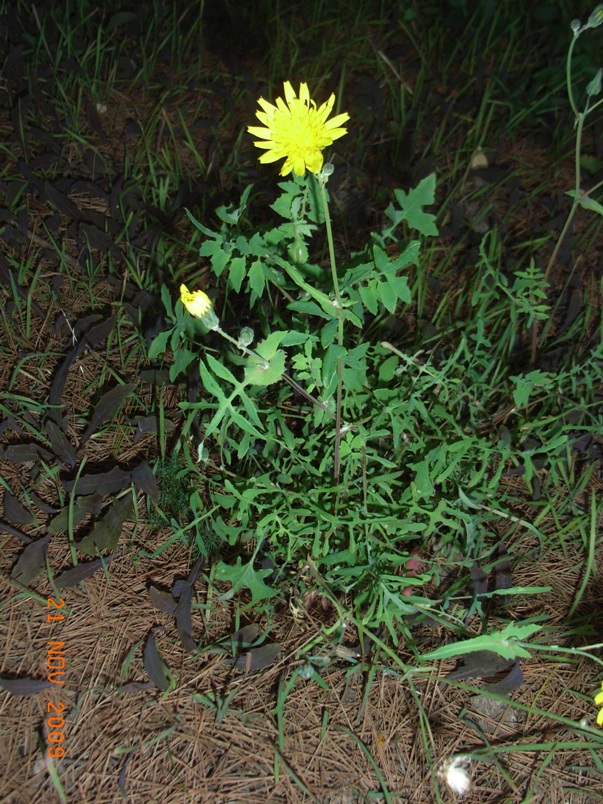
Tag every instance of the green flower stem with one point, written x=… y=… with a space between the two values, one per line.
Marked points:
x=579 y=120
x=286 y=377
x=325 y=203
x=568 y=72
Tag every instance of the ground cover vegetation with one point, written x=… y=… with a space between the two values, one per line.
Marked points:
x=301 y=454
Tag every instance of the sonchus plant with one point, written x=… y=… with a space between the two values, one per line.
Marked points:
x=337 y=456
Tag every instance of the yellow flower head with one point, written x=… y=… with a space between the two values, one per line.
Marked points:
x=197 y=303
x=599 y=702
x=296 y=131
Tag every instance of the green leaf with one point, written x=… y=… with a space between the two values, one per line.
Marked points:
x=399 y=285
x=261 y=371
x=231 y=214
x=256 y=278
x=268 y=347
x=413 y=203
x=167 y=301
x=309 y=308
x=242 y=422
x=505 y=643
x=387 y=296
x=159 y=344
x=411 y=208
x=585 y=201
x=594 y=86
x=294 y=338
x=368 y=296
x=526 y=383
x=329 y=368
x=422 y=484
x=323 y=300
x=209 y=382
x=219 y=261
x=590 y=163
x=236 y=272
x=207 y=232
x=282 y=205
x=182 y=360
x=251 y=411
x=221 y=371
x=387 y=368
x=244 y=575
x=257 y=245
x=328 y=333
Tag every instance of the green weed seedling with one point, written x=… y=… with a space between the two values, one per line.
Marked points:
x=342 y=452
x=366 y=471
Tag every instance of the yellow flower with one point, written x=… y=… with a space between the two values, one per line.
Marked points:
x=295 y=130
x=197 y=303
x=599 y=702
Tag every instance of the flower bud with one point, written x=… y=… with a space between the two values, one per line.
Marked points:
x=245 y=338
x=596 y=18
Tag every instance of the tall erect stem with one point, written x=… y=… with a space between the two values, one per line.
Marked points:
x=322 y=180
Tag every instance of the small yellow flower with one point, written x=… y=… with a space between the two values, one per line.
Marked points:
x=296 y=131
x=197 y=303
x=599 y=702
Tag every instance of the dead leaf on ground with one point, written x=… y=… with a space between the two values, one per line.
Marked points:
x=245 y=636
x=87 y=504
x=7 y=528
x=106 y=532
x=116 y=479
x=479 y=581
x=31 y=561
x=15 y=511
x=156 y=669
x=150 y=424
x=106 y=408
x=136 y=686
x=24 y=687
x=162 y=600
x=144 y=479
x=91 y=339
x=23 y=453
x=480 y=664
x=79 y=573
x=256 y=659
x=61 y=445
x=184 y=622
x=511 y=682
x=42 y=505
